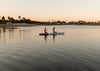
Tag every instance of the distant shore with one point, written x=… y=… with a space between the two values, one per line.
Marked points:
x=17 y=25
x=30 y=25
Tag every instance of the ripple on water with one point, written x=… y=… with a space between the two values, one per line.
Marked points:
x=24 y=50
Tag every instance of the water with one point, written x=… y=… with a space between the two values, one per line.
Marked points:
x=23 y=49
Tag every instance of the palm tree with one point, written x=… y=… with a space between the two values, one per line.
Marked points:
x=9 y=18
x=12 y=19
x=19 y=17
x=24 y=19
x=3 y=19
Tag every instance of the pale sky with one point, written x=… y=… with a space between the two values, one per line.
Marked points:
x=48 y=10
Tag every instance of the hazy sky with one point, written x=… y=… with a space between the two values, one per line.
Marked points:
x=48 y=10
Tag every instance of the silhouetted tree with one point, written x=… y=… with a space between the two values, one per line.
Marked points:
x=9 y=18
x=81 y=22
x=19 y=17
x=29 y=21
x=24 y=20
x=12 y=19
x=3 y=19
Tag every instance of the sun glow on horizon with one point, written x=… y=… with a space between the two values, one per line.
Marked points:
x=52 y=10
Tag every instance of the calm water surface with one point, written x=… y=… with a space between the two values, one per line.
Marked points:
x=23 y=49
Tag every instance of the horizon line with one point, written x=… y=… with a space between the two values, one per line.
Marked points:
x=52 y=20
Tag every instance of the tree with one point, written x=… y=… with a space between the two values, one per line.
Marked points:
x=19 y=17
x=9 y=18
x=81 y=22
x=0 y=20
x=3 y=19
x=24 y=20
x=12 y=19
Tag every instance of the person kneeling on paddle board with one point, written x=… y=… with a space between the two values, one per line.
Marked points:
x=45 y=30
x=54 y=30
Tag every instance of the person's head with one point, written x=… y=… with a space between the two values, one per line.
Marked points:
x=53 y=28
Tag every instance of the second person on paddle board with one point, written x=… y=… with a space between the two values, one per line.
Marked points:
x=54 y=30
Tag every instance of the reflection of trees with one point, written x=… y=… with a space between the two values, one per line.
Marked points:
x=0 y=33
x=0 y=30
x=4 y=30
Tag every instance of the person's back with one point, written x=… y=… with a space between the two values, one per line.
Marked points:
x=45 y=30
x=54 y=30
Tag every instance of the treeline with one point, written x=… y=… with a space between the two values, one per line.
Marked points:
x=69 y=23
x=11 y=20
x=83 y=23
x=73 y=23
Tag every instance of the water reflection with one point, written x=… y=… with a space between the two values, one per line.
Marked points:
x=0 y=30
x=8 y=29
x=45 y=37
x=7 y=33
x=53 y=37
x=24 y=50
x=13 y=34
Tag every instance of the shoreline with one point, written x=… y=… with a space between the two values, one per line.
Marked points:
x=17 y=25
x=30 y=25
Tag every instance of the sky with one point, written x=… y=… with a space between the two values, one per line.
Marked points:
x=52 y=10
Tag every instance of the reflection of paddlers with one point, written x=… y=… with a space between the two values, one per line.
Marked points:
x=54 y=30
x=45 y=30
